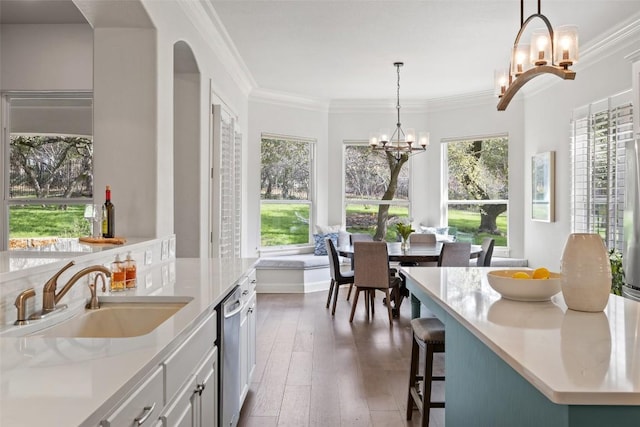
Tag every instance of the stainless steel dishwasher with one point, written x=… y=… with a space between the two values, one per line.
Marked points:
x=230 y=387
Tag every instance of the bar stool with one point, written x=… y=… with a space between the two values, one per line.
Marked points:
x=428 y=334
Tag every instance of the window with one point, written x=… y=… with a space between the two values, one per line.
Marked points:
x=366 y=179
x=49 y=158
x=478 y=189
x=600 y=132
x=286 y=191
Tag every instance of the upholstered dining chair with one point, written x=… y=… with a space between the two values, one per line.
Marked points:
x=422 y=238
x=484 y=259
x=337 y=276
x=371 y=273
x=455 y=254
x=360 y=237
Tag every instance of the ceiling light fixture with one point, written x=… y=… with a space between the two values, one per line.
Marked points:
x=400 y=143
x=549 y=52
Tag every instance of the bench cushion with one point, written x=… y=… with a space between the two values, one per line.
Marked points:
x=294 y=262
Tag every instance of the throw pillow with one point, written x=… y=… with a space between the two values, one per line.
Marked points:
x=326 y=229
x=320 y=246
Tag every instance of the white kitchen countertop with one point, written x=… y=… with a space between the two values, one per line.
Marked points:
x=571 y=357
x=64 y=381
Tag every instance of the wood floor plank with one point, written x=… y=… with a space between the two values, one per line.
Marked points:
x=300 y=368
x=295 y=406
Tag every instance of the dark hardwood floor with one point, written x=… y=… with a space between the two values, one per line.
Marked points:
x=317 y=370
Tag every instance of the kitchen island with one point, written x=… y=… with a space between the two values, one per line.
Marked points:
x=65 y=381
x=511 y=363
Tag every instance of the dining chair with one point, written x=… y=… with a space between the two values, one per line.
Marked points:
x=371 y=272
x=455 y=254
x=422 y=238
x=360 y=237
x=338 y=277
x=484 y=259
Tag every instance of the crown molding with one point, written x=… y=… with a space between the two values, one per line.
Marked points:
x=208 y=24
x=346 y=106
x=283 y=99
x=633 y=56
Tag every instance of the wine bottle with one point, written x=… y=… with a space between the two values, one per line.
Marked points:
x=108 y=218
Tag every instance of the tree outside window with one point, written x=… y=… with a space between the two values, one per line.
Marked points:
x=478 y=189
x=285 y=191
x=373 y=199
x=50 y=164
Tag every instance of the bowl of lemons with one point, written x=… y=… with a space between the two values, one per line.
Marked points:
x=525 y=285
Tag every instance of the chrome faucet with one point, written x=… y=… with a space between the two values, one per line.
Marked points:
x=49 y=296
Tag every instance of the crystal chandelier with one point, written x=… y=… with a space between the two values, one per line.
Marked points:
x=400 y=143
x=549 y=53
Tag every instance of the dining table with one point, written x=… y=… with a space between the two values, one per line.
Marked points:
x=416 y=254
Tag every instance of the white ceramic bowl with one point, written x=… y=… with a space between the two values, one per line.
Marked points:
x=523 y=289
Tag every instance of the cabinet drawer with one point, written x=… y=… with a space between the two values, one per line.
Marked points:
x=180 y=365
x=144 y=403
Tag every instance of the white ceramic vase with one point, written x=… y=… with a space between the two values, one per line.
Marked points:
x=586 y=272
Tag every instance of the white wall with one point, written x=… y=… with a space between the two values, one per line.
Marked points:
x=308 y=122
x=547 y=116
x=186 y=152
x=46 y=57
x=173 y=24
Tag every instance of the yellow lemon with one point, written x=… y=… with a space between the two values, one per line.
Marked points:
x=540 y=273
x=520 y=275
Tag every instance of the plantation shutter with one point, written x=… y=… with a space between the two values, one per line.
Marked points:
x=599 y=134
x=229 y=238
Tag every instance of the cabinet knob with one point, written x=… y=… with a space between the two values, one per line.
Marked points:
x=199 y=389
x=245 y=292
x=145 y=414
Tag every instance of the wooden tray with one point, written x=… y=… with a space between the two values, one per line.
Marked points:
x=110 y=240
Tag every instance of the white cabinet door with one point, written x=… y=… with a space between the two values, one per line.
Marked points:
x=251 y=338
x=207 y=390
x=181 y=411
x=244 y=351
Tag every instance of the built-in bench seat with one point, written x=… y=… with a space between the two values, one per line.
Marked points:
x=504 y=262
x=304 y=273
x=293 y=273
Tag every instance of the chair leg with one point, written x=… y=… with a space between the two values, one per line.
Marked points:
x=354 y=304
x=350 y=288
x=386 y=292
x=428 y=378
x=367 y=297
x=330 y=292
x=372 y=294
x=335 y=298
x=415 y=354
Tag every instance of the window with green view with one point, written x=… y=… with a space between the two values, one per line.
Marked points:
x=366 y=179
x=478 y=189
x=286 y=196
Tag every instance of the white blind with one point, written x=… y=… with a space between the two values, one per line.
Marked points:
x=230 y=189
x=599 y=134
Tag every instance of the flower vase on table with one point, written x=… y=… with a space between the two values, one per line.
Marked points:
x=404 y=231
x=404 y=243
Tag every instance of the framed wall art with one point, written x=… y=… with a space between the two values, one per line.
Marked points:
x=543 y=186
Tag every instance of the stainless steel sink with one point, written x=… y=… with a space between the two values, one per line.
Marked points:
x=116 y=320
